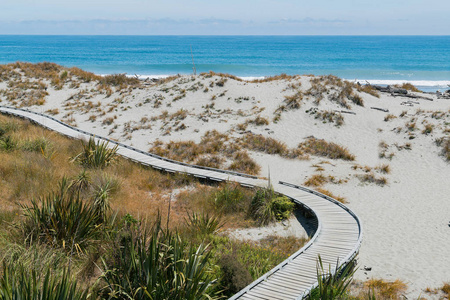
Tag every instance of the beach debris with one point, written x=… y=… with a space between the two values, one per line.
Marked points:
x=367 y=268
x=382 y=109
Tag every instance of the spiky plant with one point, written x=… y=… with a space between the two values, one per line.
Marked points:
x=334 y=285
x=157 y=264
x=96 y=155
x=203 y=224
x=19 y=283
x=60 y=219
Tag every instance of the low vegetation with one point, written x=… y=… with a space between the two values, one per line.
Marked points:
x=75 y=226
x=320 y=147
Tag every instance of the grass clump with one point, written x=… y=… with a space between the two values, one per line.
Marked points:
x=157 y=264
x=327 y=116
x=96 y=155
x=444 y=142
x=266 y=207
x=333 y=285
x=61 y=219
x=409 y=87
x=258 y=142
x=386 y=289
x=323 y=148
x=18 y=282
x=330 y=194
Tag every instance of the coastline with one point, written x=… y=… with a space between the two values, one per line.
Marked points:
x=405 y=219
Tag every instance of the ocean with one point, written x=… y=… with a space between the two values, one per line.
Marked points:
x=422 y=60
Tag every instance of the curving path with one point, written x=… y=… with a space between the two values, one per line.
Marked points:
x=337 y=239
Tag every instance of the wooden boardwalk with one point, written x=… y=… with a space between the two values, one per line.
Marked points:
x=337 y=238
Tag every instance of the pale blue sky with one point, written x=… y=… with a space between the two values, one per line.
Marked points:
x=229 y=17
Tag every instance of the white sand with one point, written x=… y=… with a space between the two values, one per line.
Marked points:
x=406 y=231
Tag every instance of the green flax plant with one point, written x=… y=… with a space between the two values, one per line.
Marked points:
x=334 y=285
x=96 y=155
x=19 y=283
x=156 y=264
x=61 y=219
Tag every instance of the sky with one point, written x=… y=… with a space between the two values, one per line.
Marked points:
x=226 y=17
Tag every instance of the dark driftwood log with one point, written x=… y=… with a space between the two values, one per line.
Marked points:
x=382 y=109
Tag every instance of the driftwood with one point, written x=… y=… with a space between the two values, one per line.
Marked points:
x=346 y=112
x=382 y=109
x=398 y=92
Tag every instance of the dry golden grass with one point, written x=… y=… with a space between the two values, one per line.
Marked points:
x=386 y=289
x=223 y=75
x=444 y=142
x=372 y=178
x=409 y=87
x=385 y=169
x=28 y=172
x=389 y=117
x=323 y=148
x=316 y=180
x=368 y=89
x=330 y=194
x=214 y=150
x=275 y=78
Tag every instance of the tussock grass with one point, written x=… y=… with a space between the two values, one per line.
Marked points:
x=323 y=148
x=259 y=121
x=386 y=289
x=223 y=75
x=444 y=142
x=330 y=194
x=372 y=178
x=327 y=116
x=368 y=89
x=335 y=89
x=409 y=87
x=385 y=169
x=389 y=117
x=214 y=150
x=282 y=76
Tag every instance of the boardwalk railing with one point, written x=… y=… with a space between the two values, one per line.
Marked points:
x=337 y=239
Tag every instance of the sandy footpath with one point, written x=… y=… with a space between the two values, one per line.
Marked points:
x=406 y=221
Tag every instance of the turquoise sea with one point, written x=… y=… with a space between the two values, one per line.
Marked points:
x=423 y=60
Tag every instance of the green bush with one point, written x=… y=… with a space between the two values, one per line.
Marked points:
x=235 y=275
x=282 y=207
x=230 y=198
x=266 y=207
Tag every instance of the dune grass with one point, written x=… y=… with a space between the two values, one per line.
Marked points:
x=320 y=147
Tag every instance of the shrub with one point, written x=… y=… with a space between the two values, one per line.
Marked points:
x=282 y=207
x=7 y=143
x=235 y=274
x=96 y=155
x=266 y=207
x=230 y=198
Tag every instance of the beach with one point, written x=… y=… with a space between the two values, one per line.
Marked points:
x=397 y=182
